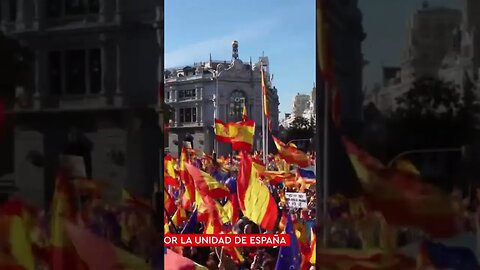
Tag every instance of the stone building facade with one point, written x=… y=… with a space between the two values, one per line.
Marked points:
x=93 y=92
x=216 y=89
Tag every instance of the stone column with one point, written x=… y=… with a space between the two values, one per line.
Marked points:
x=119 y=69
x=104 y=63
x=102 y=10
x=119 y=10
x=39 y=16
x=20 y=23
x=197 y=113
x=40 y=77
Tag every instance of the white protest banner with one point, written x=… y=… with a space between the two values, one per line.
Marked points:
x=296 y=200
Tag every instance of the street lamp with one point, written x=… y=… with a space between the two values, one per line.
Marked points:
x=215 y=102
x=298 y=140
x=420 y=151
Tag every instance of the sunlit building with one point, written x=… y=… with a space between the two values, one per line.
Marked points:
x=216 y=89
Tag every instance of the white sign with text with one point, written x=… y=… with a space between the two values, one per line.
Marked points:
x=296 y=200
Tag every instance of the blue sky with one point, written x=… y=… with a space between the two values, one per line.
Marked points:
x=283 y=29
x=385 y=22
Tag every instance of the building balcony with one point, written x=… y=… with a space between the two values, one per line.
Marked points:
x=32 y=103
x=186 y=125
x=184 y=100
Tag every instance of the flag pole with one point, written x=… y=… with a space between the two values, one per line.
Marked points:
x=264 y=149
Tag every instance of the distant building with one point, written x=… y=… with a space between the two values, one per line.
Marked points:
x=346 y=37
x=429 y=40
x=93 y=92
x=301 y=103
x=216 y=89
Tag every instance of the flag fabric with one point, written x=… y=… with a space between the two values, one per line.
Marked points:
x=305 y=178
x=289 y=257
x=62 y=252
x=402 y=198
x=189 y=194
x=170 y=178
x=179 y=217
x=168 y=203
x=191 y=224
x=444 y=257
x=325 y=60
x=242 y=135
x=276 y=177
x=175 y=261
x=222 y=132
x=266 y=109
x=291 y=154
x=205 y=183
x=20 y=245
x=313 y=248
x=407 y=167
x=255 y=199
x=98 y=253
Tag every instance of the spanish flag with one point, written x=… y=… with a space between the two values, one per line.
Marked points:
x=170 y=177
x=256 y=202
x=168 y=202
x=222 y=132
x=244 y=113
x=276 y=177
x=403 y=198
x=179 y=217
x=242 y=135
x=214 y=209
x=313 y=248
x=291 y=154
x=63 y=254
x=266 y=110
x=189 y=195
x=206 y=184
x=18 y=234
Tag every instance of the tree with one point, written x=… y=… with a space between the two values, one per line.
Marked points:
x=300 y=128
x=432 y=114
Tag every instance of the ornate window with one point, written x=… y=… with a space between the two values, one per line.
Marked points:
x=235 y=107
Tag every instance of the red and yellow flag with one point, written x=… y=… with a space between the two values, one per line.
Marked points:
x=63 y=255
x=242 y=135
x=20 y=245
x=206 y=184
x=403 y=198
x=222 y=132
x=179 y=217
x=277 y=177
x=244 y=113
x=291 y=154
x=255 y=200
x=266 y=110
x=170 y=176
x=189 y=194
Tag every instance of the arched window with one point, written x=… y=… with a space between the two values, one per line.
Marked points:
x=235 y=107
